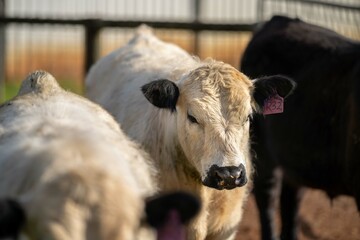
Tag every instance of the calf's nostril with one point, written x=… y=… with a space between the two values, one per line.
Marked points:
x=229 y=174
x=221 y=173
x=236 y=173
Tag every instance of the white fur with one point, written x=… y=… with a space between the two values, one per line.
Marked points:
x=70 y=166
x=182 y=151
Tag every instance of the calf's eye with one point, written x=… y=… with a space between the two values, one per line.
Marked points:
x=192 y=119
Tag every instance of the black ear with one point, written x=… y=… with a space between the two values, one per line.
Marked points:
x=268 y=86
x=12 y=218
x=157 y=209
x=161 y=93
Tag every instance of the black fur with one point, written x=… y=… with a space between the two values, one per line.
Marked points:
x=316 y=141
x=158 y=208
x=161 y=93
x=12 y=218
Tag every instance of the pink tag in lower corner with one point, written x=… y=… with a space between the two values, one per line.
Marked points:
x=273 y=104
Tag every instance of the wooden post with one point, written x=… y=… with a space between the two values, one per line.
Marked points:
x=92 y=44
x=2 y=52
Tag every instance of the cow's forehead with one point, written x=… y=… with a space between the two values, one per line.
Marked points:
x=219 y=88
x=215 y=77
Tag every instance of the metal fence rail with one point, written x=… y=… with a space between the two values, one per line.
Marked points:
x=94 y=26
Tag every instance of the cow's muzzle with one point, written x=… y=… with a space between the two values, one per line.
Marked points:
x=226 y=177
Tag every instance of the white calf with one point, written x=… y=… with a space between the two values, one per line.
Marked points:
x=197 y=128
x=66 y=163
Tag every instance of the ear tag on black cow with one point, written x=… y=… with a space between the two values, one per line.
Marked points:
x=273 y=104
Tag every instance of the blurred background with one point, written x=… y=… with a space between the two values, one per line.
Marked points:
x=66 y=37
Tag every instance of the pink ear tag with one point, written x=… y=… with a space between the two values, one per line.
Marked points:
x=273 y=104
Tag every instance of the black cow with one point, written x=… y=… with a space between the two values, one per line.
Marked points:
x=316 y=141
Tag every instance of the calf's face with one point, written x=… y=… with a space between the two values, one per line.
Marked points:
x=213 y=105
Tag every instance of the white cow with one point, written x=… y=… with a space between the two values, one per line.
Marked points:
x=193 y=120
x=66 y=169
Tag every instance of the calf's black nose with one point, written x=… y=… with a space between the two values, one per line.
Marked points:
x=226 y=177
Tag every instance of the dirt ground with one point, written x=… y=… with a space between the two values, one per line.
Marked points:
x=320 y=218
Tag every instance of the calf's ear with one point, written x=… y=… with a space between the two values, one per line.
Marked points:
x=266 y=87
x=161 y=93
x=12 y=218
x=159 y=207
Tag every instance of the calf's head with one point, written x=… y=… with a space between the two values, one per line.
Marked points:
x=213 y=105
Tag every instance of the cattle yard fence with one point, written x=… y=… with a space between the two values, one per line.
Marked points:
x=208 y=28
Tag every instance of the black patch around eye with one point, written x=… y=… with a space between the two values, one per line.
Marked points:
x=192 y=119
